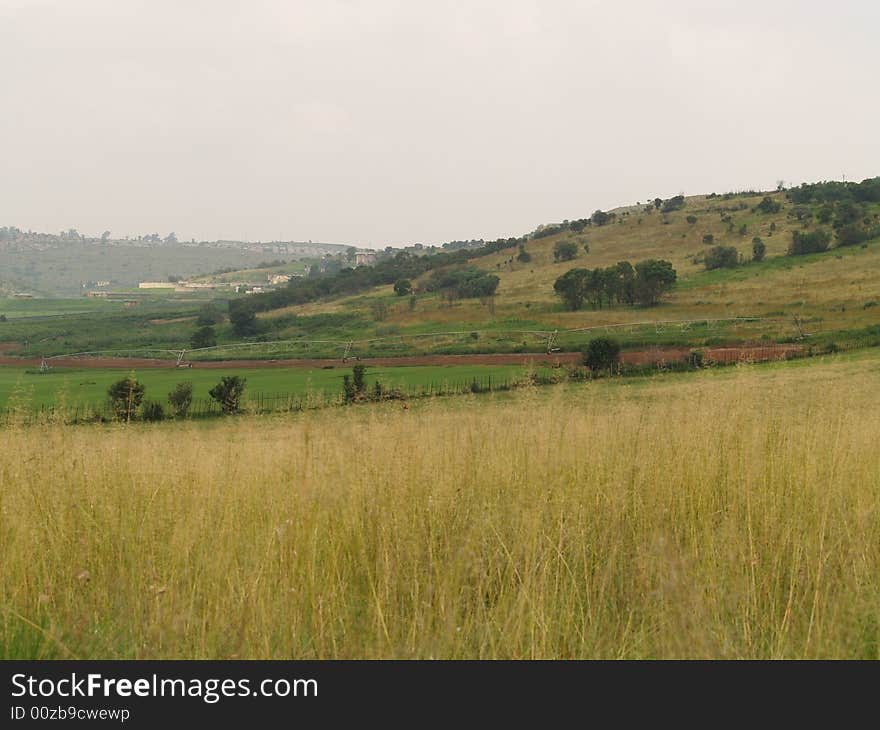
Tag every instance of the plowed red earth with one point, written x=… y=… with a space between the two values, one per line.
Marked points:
x=636 y=357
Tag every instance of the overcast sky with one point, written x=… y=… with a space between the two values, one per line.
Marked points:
x=384 y=122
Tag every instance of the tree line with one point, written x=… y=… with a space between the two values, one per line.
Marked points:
x=643 y=284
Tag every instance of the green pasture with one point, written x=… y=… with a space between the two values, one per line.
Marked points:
x=70 y=387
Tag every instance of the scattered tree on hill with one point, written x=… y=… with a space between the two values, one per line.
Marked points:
x=565 y=251
x=708 y=238
x=203 y=337
x=600 y=218
x=523 y=256
x=691 y=219
x=243 y=319
x=768 y=205
x=403 y=287
x=759 y=249
x=571 y=288
x=619 y=284
x=721 y=257
x=180 y=399
x=126 y=396
x=812 y=242
x=228 y=392
x=601 y=354
x=654 y=278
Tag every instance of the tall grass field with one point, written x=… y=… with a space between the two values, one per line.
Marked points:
x=723 y=514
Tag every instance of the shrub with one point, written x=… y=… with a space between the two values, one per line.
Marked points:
x=203 y=337
x=601 y=354
x=768 y=205
x=759 y=249
x=181 y=399
x=153 y=411
x=228 y=392
x=125 y=397
x=565 y=251
x=708 y=238
x=813 y=242
x=403 y=287
x=691 y=219
x=721 y=257
x=523 y=256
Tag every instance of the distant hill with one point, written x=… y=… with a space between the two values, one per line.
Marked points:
x=66 y=265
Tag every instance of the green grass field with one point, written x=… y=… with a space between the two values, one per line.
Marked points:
x=71 y=387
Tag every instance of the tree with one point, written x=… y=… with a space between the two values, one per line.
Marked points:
x=691 y=219
x=812 y=242
x=243 y=319
x=768 y=205
x=403 y=287
x=181 y=399
x=565 y=251
x=721 y=257
x=602 y=354
x=571 y=288
x=626 y=275
x=209 y=315
x=228 y=392
x=125 y=397
x=708 y=238
x=759 y=249
x=350 y=254
x=359 y=378
x=203 y=337
x=523 y=256
x=600 y=218
x=654 y=278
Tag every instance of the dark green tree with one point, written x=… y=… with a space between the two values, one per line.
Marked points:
x=403 y=287
x=654 y=278
x=228 y=392
x=602 y=354
x=571 y=288
x=180 y=399
x=759 y=249
x=203 y=337
x=126 y=396
x=565 y=251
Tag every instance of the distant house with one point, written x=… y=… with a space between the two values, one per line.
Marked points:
x=156 y=285
x=365 y=258
x=276 y=279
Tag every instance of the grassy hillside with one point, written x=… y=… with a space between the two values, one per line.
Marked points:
x=831 y=291
x=737 y=517
x=829 y=296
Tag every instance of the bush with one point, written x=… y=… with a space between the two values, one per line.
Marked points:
x=125 y=397
x=708 y=238
x=601 y=354
x=691 y=219
x=813 y=242
x=153 y=411
x=759 y=249
x=403 y=287
x=565 y=251
x=768 y=205
x=228 y=392
x=203 y=337
x=721 y=257
x=181 y=399
x=523 y=256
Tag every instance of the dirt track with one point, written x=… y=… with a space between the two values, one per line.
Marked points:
x=639 y=357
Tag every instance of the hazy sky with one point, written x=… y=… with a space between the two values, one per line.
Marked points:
x=383 y=122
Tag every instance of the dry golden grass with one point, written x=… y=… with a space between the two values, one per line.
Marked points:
x=725 y=514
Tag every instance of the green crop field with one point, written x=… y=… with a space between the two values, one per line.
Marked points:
x=29 y=388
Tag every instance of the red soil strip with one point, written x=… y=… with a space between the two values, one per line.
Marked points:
x=640 y=357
